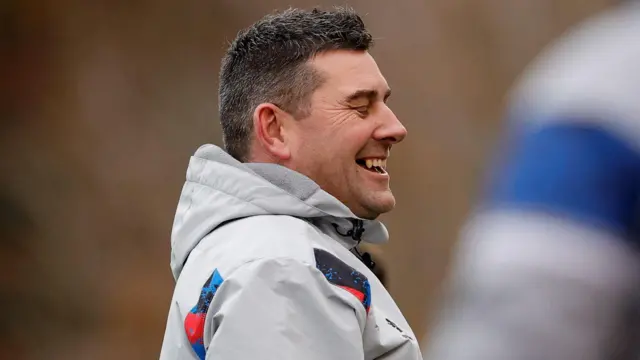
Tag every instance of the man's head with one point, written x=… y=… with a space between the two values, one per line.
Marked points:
x=300 y=89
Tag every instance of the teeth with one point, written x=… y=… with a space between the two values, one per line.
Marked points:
x=381 y=163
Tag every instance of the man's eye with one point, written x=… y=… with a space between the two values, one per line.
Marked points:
x=362 y=110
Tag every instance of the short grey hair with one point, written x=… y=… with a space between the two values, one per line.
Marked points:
x=267 y=63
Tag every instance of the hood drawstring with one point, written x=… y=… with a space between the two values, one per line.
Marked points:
x=356 y=234
x=365 y=257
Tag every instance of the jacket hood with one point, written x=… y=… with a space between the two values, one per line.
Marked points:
x=219 y=189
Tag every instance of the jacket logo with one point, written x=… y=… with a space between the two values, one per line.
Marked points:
x=398 y=328
x=194 y=322
x=344 y=276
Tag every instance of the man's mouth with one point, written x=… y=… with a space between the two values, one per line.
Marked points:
x=377 y=165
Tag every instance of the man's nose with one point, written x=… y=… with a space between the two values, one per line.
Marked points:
x=391 y=129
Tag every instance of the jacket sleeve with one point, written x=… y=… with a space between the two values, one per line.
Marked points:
x=283 y=309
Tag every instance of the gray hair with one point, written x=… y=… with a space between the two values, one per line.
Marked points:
x=267 y=63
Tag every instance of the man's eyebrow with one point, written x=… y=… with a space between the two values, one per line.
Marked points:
x=370 y=94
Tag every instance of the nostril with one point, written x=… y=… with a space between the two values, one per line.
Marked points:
x=393 y=139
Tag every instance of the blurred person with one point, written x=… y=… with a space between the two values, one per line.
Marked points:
x=548 y=266
x=264 y=243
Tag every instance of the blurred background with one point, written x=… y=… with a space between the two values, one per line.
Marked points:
x=103 y=102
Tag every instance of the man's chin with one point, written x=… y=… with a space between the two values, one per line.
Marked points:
x=378 y=206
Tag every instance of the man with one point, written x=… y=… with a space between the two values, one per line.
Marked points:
x=265 y=234
x=549 y=267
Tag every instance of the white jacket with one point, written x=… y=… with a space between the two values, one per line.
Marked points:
x=263 y=268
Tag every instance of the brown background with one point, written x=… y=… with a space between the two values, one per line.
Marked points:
x=103 y=102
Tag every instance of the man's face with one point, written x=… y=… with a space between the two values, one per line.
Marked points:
x=344 y=143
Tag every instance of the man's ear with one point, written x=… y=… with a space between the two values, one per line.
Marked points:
x=268 y=122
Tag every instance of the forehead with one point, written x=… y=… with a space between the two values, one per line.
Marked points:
x=346 y=71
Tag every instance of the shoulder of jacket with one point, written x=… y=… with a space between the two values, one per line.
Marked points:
x=259 y=237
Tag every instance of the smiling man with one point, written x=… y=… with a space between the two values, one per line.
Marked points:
x=264 y=243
